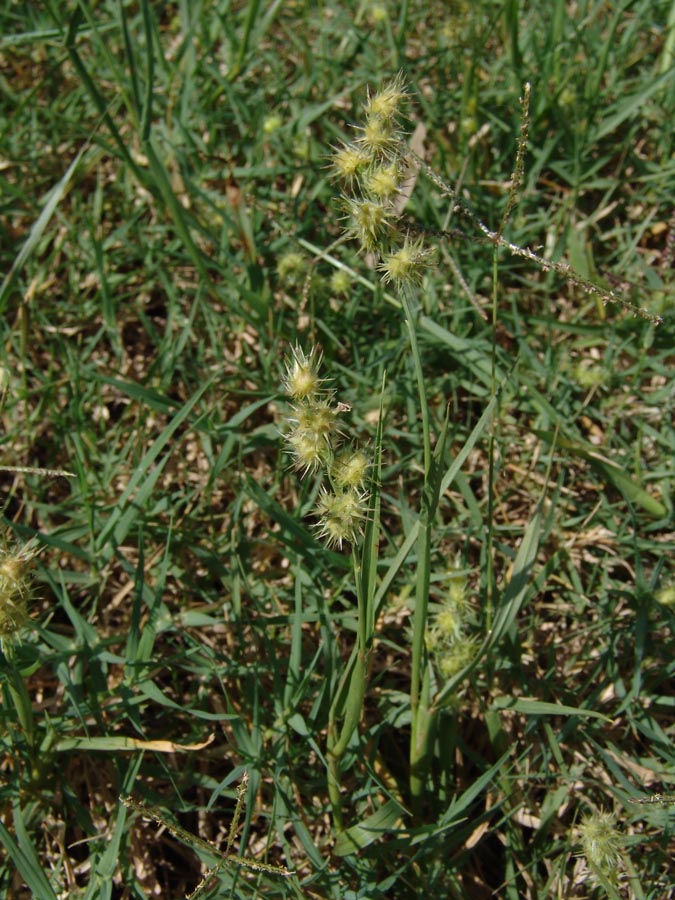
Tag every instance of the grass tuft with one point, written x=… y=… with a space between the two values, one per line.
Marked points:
x=443 y=657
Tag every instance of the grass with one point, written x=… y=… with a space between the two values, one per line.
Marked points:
x=476 y=703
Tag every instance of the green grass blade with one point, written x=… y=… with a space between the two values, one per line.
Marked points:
x=371 y=829
x=367 y=567
x=630 y=106
x=519 y=584
x=612 y=473
x=176 y=209
x=23 y=855
x=141 y=484
x=668 y=52
x=51 y=202
x=532 y=707
x=96 y=96
x=146 y=114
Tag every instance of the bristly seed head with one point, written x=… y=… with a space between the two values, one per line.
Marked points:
x=601 y=841
x=302 y=374
x=349 y=469
x=309 y=450
x=313 y=440
x=317 y=418
x=348 y=162
x=407 y=264
x=383 y=182
x=14 y=584
x=379 y=139
x=340 y=282
x=292 y=267
x=369 y=223
x=386 y=103
x=340 y=515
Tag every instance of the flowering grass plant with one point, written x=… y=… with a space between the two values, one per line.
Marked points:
x=338 y=403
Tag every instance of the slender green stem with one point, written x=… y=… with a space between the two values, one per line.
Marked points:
x=362 y=605
x=350 y=701
x=422 y=741
x=20 y=698
x=334 y=793
x=421 y=610
x=347 y=706
x=489 y=588
x=420 y=676
x=423 y=546
x=420 y=730
x=419 y=375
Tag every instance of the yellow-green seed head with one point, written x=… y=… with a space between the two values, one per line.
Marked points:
x=453 y=659
x=449 y=623
x=310 y=451
x=348 y=161
x=432 y=640
x=590 y=376
x=316 y=418
x=666 y=595
x=567 y=98
x=292 y=267
x=272 y=123
x=407 y=264
x=379 y=139
x=340 y=515
x=369 y=222
x=383 y=182
x=15 y=567
x=349 y=469
x=302 y=374
x=468 y=126
x=601 y=842
x=340 y=282
x=13 y=610
x=302 y=147
x=457 y=584
x=385 y=105
x=378 y=13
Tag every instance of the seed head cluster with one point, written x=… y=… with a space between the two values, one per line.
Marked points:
x=448 y=638
x=602 y=844
x=315 y=441
x=373 y=169
x=15 y=565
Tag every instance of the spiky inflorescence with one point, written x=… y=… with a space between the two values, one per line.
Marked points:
x=601 y=842
x=292 y=267
x=386 y=103
x=372 y=169
x=302 y=374
x=379 y=139
x=363 y=166
x=370 y=222
x=15 y=565
x=340 y=282
x=314 y=439
x=406 y=266
x=348 y=163
x=349 y=469
x=383 y=182
x=340 y=515
x=448 y=638
x=309 y=450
